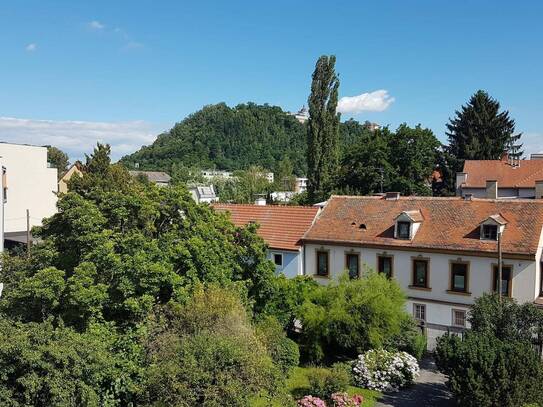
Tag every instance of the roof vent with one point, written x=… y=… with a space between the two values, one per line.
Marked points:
x=363 y=226
x=392 y=196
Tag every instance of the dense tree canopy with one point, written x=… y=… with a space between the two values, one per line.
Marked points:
x=479 y=131
x=228 y=138
x=58 y=159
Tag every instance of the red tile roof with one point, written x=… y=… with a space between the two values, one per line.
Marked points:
x=447 y=223
x=508 y=176
x=280 y=226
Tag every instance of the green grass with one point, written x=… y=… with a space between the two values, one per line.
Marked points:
x=298 y=380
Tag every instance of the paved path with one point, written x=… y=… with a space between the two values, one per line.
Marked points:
x=429 y=390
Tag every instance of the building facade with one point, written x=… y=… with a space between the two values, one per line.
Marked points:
x=441 y=251
x=31 y=186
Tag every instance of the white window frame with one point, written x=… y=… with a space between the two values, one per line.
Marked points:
x=423 y=306
x=453 y=322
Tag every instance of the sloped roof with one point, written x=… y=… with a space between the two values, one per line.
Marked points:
x=449 y=223
x=153 y=176
x=281 y=226
x=523 y=176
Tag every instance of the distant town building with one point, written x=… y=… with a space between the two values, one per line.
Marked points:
x=203 y=193
x=75 y=169
x=301 y=115
x=159 y=178
x=301 y=185
x=29 y=184
x=210 y=174
x=506 y=178
x=282 y=196
x=371 y=126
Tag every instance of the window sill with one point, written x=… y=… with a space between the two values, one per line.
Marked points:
x=465 y=293
x=416 y=287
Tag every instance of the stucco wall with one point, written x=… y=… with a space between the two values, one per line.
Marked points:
x=31 y=185
x=291 y=262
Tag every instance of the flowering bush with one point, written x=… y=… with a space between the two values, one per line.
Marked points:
x=310 y=401
x=382 y=370
x=343 y=400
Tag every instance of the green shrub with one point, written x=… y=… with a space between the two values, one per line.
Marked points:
x=409 y=340
x=347 y=318
x=283 y=351
x=325 y=382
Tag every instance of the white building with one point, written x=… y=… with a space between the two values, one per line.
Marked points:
x=442 y=251
x=301 y=185
x=203 y=193
x=31 y=185
x=301 y=115
x=502 y=179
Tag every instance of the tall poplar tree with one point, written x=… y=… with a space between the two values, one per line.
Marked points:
x=323 y=129
x=480 y=131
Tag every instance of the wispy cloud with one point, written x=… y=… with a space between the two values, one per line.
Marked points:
x=376 y=101
x=96 y=25
x=79 y=137
x=31 y=47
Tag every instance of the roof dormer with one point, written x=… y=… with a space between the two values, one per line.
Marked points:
x=407 y=224
x=491 y=226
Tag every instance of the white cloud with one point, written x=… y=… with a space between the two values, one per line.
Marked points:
x=31 y=47
x=79 y=137
x=376 y=101
x=96 y=25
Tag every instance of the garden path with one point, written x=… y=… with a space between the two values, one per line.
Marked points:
x=429 y=390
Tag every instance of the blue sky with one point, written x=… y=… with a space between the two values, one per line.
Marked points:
x=122 y=71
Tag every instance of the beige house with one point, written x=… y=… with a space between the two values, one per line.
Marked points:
x=75 y=169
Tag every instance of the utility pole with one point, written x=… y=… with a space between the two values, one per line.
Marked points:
x=500 y=265
x=28 y=232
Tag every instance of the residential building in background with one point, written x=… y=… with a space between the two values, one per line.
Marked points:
x=76 y=169
x=301 y=115
x=209 y=175
x=203 y=193
x=281 y=227
x=159 y=178
x=371 y=126
x=301 y=185
x=31 y=186
x=443 y=252
x=501 y=179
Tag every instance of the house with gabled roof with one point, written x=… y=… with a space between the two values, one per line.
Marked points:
x=280 y=226
x=504 y=179
x=442 y=251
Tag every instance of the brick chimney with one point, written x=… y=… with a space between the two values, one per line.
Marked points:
x=539 y=189
x=491 y=189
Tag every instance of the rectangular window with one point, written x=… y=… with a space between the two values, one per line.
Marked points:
x=278 y=259
x=507 y=275
x=384 y=265
x=459 y=277
x=419 y=312
x=322 y=263
x=420 y=273
x=490 y=232
x=352 y=265
x=403 y=230
x=459 y=318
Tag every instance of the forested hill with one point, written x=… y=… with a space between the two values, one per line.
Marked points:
x=228 y=138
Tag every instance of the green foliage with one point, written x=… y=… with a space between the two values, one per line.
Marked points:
x=410 y=339
x=43 y=365
x=346 y=318
x=325 y=382
x=245 y=187
x=479 y=131
x=323 y=129
x=283 y=351
x=58 y=159
x=228 y=138
x=495 y=363
x=401 y=161
x=206 y=353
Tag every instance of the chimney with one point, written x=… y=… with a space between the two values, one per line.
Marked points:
x=260 y=201
x=392 y=196
x=505 y=156
x=491 y=189
x=539 y=189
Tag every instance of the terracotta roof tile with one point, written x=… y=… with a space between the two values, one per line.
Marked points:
x=281 y=226
x=448 y=223
x=523 y=176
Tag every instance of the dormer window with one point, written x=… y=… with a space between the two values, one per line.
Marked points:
x=407 y=224
x=490 y=232
x=404 y=229
x=491 y=226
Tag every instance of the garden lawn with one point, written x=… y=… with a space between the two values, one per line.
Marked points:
x=298 y=381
